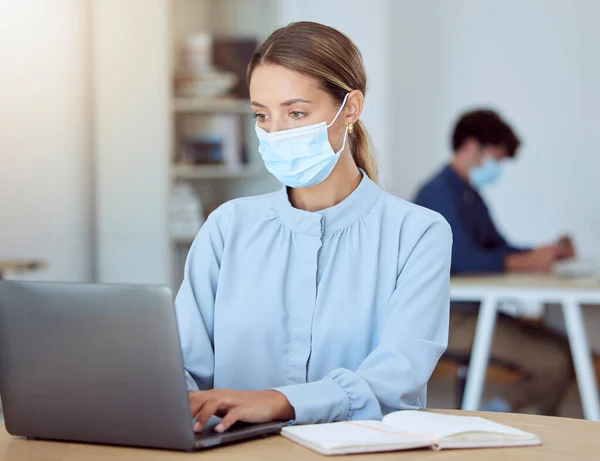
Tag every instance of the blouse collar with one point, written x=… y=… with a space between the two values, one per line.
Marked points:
x=330 y=220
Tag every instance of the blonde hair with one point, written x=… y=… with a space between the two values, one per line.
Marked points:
x=329 y=57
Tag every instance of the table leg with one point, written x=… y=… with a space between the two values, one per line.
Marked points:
x=484 y=332
x=582 y=359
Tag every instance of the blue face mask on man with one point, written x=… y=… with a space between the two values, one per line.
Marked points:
x=300 y=157
x=486 y=174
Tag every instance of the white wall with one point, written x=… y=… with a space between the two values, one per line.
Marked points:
x=45 y=193
x=545 y=76
x=535 y=61
x=417 y=128
x=132 y=139
x=368 y=26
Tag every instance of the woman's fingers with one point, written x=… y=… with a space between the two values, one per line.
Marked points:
x=218 y=406
x=232 y=417
x=233 y=406
x=208 y=410
x=197 y=400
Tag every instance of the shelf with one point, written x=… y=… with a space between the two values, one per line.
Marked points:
x=216 y=171
x=212 y=105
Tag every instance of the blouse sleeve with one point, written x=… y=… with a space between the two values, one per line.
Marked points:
x=194 y=305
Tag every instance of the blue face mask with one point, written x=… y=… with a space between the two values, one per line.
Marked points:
x=487 y=173
x=300 y=157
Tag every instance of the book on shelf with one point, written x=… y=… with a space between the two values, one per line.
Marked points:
x=212 y=139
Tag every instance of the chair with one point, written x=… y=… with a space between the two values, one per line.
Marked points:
x=462 y=360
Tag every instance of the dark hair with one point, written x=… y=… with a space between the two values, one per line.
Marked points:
x=486 y=127
x=329 y=57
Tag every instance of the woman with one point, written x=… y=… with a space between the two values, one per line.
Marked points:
x=327 y=300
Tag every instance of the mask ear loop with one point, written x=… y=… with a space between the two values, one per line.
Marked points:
x=339 y=111
x=335 y=118
x=344 y=143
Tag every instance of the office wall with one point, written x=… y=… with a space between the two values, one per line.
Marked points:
x=536 y=62
x=418 y=129
x=132 y=139
x=45 y=192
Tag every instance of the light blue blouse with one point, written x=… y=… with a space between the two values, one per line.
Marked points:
x=344 y=311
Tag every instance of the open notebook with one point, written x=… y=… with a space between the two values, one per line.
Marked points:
x=406 y=430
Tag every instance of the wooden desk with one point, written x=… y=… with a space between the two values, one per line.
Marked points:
x=564 y=439
x=552 y=284
x=570 y=293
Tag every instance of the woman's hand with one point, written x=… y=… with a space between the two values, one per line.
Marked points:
x=233 y=406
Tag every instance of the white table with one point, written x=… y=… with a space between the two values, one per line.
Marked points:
x=490 y=291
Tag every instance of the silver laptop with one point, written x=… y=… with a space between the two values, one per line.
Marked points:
x=99 y=364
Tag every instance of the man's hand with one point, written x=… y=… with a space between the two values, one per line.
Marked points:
x=542 y=259
x=538 y=260
x=565 y=248
x=234 y=406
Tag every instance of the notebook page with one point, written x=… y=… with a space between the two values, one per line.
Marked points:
x=354 y=435
x=440 y=426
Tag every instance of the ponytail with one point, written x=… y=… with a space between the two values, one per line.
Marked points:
x=361 y=149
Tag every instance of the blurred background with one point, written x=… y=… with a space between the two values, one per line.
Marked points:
x=123 y=123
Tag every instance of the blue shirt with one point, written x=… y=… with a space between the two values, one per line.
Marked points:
x=478 y=246
x=344 y=311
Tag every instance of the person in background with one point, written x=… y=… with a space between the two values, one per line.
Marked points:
x=481 y=142
x=327 y=300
